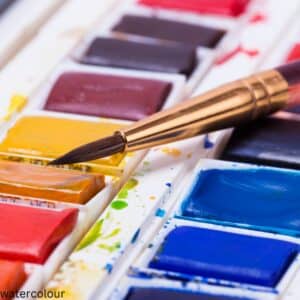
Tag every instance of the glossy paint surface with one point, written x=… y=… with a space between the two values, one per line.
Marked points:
x=271 y=141
x=222 y=255
x=27 y=180
x=141 y=56
x=107 y=96
x=168 y=30
x=260 y=198
x=12 y=276
x=49 y=137
x=30 y=234
x=224 y=7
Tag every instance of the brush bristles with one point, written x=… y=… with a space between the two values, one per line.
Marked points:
x=98 y=149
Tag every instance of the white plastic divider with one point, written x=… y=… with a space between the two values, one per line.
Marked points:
x=34 y=280
x=281 y=51
x=21 y=21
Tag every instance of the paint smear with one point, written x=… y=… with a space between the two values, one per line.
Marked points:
x=208 y=144
x=16 y=104
x=119 y=204
x=257 y=18
x=171 y=151
x=160 y=213
x=120 y=200
x=238 y=50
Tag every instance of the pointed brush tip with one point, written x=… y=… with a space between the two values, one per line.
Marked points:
x=94 y=150
x=55 y=162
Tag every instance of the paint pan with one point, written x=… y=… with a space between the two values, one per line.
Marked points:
x=234 y=265
x=241 y=195
x=231 y=8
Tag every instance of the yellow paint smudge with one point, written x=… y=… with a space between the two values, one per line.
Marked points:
x=16 y=104
x=171 y=151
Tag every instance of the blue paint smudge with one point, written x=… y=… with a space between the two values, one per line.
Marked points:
x=208 y=144
x=168 y=184
x=160 y=213
x=265 y=199
x=109 y=267
x=135 y=236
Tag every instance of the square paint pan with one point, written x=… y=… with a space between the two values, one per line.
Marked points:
x=161 y=260
x=40 y=121
x=33 y=241
x=231 y=8
x=38 y=273
x=259 y=198
x=22 y=180
x=213 y=30
x=161 y=29
x=269 y=141
x=168 y=90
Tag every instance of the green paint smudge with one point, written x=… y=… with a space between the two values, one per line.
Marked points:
x=107 y=216
x=118 y=204
x=115 y=232
x=123 y=194
x=110 y=248
x=91 y=236
x=131 y=184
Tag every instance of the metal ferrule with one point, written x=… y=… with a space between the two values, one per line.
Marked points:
x=229 y=105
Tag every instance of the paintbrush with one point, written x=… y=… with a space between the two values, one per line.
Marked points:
x=227 y=106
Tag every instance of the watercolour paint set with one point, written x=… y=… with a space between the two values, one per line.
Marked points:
x=212 y=217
